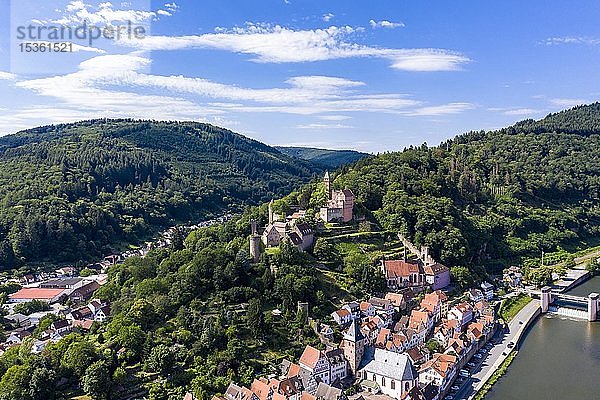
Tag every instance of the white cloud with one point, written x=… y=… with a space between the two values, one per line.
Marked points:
x=334 y=117
x=554 y=41
x=84 y=94
x=567 y=103
x=444 y=109
x=115 y=86
x=385 y=24
x=323 y=126
x=276 y=44
x=523 y=111
x=328 y=17
x=78 y=11
x=7 y=76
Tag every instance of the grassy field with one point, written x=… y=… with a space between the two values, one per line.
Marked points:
x=511 y=306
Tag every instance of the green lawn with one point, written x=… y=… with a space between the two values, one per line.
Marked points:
x=510 y=307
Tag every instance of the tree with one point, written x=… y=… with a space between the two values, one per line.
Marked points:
x=132 y=338
x=324 y=250
x=79 y=356
x=15 y=383
x=42 y=384
x=540 y=276
x=593 y=266
x=160 y=360
x=120 y=376
x=433 y=346
x=96 y=381
x=177 y=240
x=462 y=276
x=86 y=272
x=255 y=318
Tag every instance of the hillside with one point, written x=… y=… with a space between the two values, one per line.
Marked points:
x=490 y=198
x=69 y=192
x=331 y=159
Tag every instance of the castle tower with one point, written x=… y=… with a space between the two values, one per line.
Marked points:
x=255 y=249
x=327 y=183
x=353 y=344
x=271 y=212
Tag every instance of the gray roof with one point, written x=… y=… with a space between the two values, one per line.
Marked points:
x=61 y=283
x=353 y=334
x=389 y=364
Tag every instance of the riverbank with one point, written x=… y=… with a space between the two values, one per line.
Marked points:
x=507 y=342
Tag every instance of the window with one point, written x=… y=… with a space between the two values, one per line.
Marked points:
x=382 y=381
x=406 y=386
x=393 y=384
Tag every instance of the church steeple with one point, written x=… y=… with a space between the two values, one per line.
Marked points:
x=353 y=344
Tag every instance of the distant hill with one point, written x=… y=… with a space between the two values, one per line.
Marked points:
x=69 y=192
x=330 y=159
x=491 y=198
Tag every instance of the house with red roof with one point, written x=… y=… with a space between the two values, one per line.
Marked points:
x=25 y=295
x=401 y=273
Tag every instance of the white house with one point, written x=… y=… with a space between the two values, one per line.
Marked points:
x=326 y=366
x=462 y=313
x=342 y=316
x=439 y=371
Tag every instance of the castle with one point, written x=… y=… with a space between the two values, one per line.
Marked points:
x=300 y=234
x=340 y=203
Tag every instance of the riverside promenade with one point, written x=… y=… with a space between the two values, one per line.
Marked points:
x=499 y=352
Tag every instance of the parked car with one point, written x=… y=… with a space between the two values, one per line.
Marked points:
x=455 y=388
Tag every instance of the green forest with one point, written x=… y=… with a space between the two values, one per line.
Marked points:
x=491 y=198
x=332 y=159
x=72 y=192
x=200 y=314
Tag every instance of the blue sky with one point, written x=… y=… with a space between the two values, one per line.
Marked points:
x=370 y=76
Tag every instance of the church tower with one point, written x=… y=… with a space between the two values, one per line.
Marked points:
x=353 y=344
x=327 y=183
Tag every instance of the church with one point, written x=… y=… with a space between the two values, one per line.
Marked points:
x=340 y=203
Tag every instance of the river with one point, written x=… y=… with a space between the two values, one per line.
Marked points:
x=558 y=359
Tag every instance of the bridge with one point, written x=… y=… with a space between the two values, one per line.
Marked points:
x=574 y=306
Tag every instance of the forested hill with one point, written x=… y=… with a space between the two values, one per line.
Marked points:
x=68 y=192
x=332 y=159
x=489 y=198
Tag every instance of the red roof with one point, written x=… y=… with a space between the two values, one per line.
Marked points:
x=36 y=293
x=310 y=357
x=400 y=268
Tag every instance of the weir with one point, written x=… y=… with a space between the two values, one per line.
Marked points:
x=568 y=305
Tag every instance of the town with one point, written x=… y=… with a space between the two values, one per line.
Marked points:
x=422 y=338
x=413 y=343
